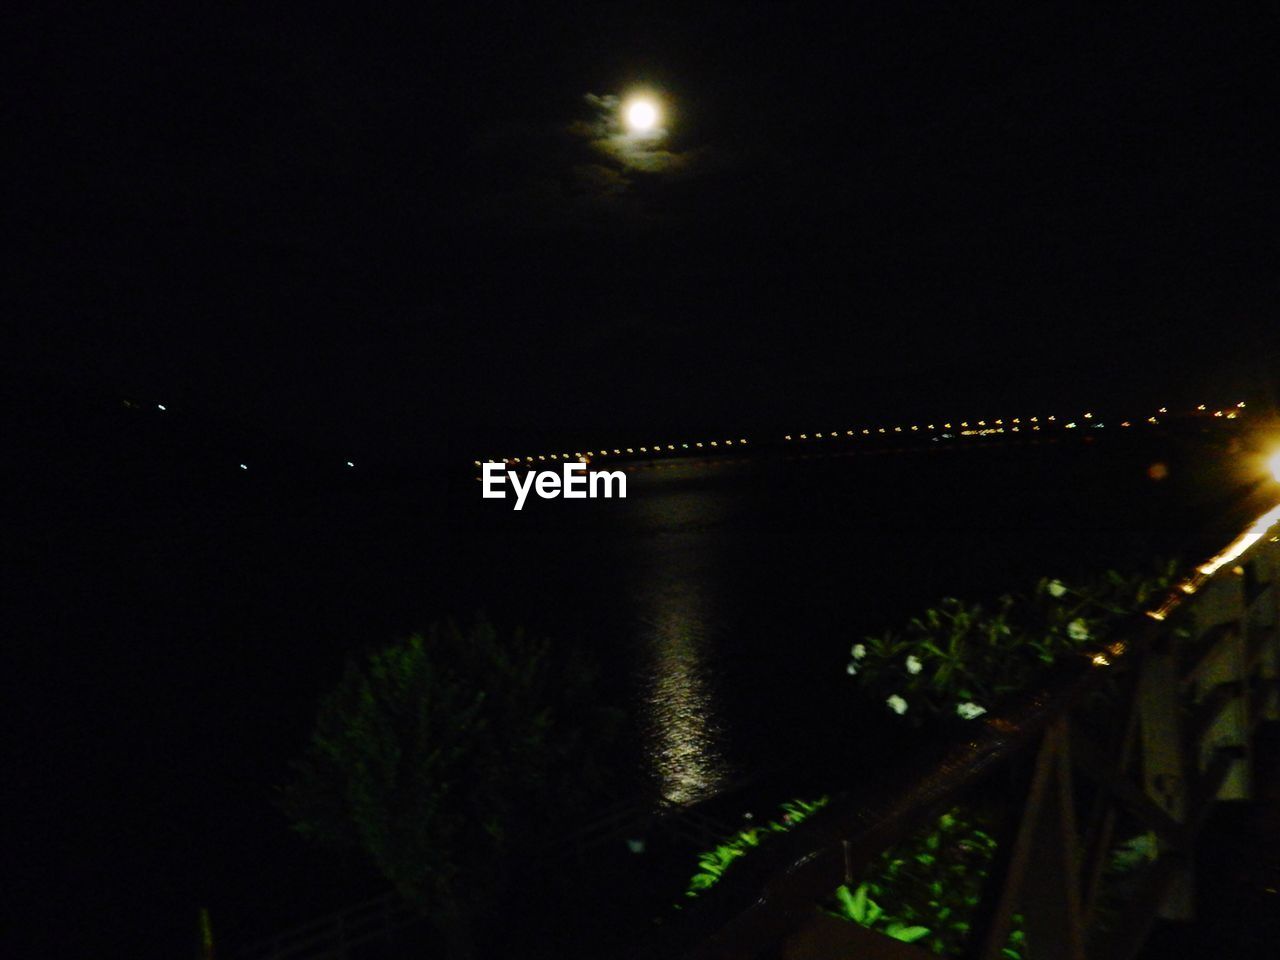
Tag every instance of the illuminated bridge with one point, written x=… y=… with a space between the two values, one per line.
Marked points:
x=1028 y=426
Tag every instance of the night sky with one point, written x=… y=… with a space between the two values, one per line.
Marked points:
x=406 y=229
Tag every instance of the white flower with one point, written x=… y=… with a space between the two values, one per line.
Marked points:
x=851 y=669
x=914 y=665
x=1057 y=588
x=859 y=651
x=1078 y=630
x=897 y=704
x=970 y=710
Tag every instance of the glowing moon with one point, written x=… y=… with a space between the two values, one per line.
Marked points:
x=642 y=115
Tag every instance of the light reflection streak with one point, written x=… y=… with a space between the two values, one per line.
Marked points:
x=1256 y=532
x=1260 y=528
x=682 y=729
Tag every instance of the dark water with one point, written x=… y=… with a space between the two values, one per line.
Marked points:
x=174 y=647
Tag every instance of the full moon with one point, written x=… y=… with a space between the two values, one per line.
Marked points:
x=642 y=115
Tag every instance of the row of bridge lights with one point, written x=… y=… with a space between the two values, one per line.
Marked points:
x=914 y=428
x=1015 y=425
x=619 y=451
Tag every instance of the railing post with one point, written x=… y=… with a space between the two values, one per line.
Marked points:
x=1219 y=612
x=1164 y=777
x=1042 y=880
x=1264 y=623
x=206 y=935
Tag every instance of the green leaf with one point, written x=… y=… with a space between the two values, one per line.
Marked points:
x=858 y=907
x=846 y=899
x=906 y=934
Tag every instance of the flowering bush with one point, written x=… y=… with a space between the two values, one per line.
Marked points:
x=958 y=660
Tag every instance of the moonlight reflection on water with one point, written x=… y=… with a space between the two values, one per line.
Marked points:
x=678 y=579
x=682 y=730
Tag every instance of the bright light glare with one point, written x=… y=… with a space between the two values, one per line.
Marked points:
x=642 y=116
x=1274 y=465
x=1260 y=528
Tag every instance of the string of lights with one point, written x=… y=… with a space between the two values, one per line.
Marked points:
x=937 y=430
x=656 y=449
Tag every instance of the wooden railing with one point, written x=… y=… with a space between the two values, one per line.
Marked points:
x=1183 y=691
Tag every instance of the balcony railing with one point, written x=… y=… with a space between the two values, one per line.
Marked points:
x=1185 y=688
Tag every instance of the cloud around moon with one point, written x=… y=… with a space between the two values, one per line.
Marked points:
x=586 y=173
x=644 y=152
